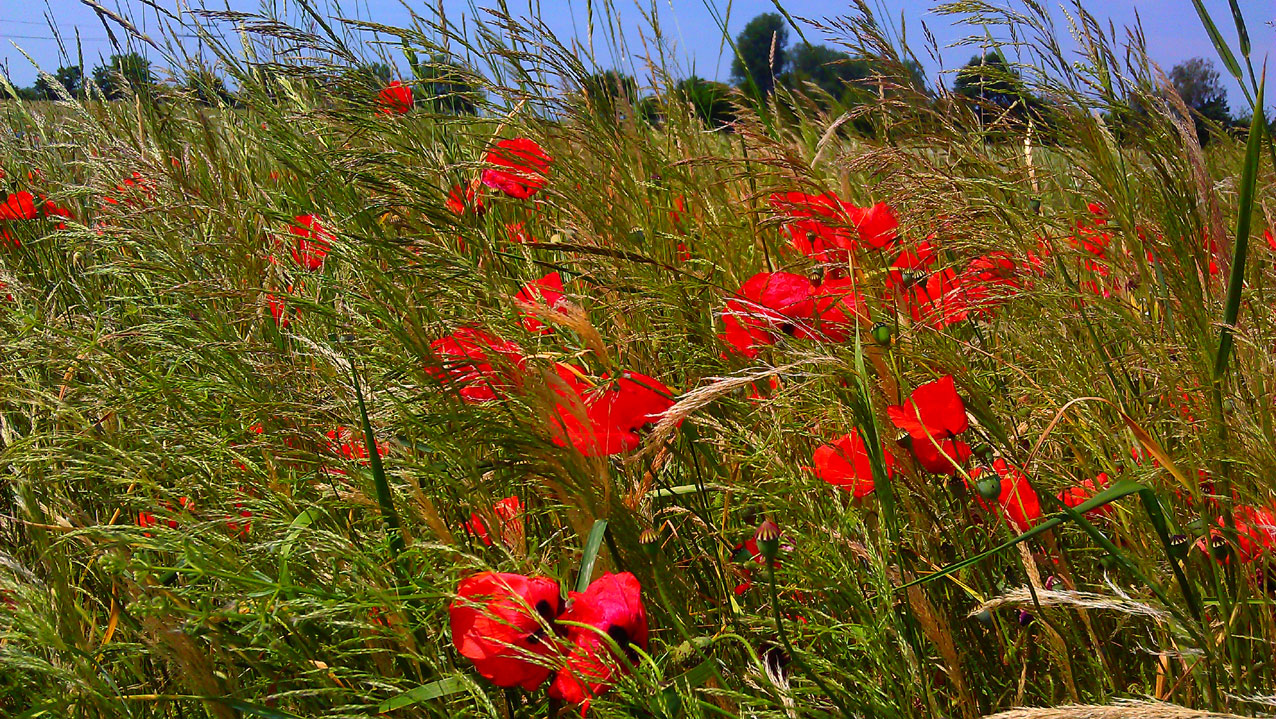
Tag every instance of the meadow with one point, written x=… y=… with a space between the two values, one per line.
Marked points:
x=333 y=402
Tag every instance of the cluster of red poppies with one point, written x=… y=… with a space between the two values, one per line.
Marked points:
x=517 y=631
x=22 y=206
x=932 y=419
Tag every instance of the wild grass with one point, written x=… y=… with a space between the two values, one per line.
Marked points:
x=139 y=351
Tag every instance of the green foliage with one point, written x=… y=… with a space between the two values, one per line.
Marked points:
x=206 y=86
x=449 y=86
x=995 y=89
x=710 y=101
x=71 y=78
x=1198 y=83
x=192 y=522
x=123 y=74
x=762 y=52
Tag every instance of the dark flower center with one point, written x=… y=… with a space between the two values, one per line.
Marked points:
x=620 y=635
x=548 y=613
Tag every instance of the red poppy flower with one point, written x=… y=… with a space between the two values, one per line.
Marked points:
x=516 y=233
x=822 y=226
x=508 y=511
x=845 y=464
x=502 y=623
x=18 y=206
x=837 y=309
x=466 y=361
x=1271 y=239
x=942 y=299
x=877 y=226
x=8 y=296
x=1090 y=235
x=395 y=99
x=911 y=265
x=136 y=189
x=1017 y=503
x=464 y=199
x=51 y=209
x=311 y=241
x=603 y=421
x=611 y=607
x=767 y=302
x=932 y=410
x=1255 y=533
x=679 y=209
x=684 y=254
x=347 y=443
x=279 y=310
x=519 y=167
x=941 y=456
x=1081 y=493
x=547 y=290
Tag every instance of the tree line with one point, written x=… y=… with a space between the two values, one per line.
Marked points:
x=764 y=61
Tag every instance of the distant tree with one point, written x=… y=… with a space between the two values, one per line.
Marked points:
x=449 y=86
x=70 y=77
x=359 y=78
x=990 y=84
x=711 y=101
x=755 y=59
x=1199 y=84
x=206 y=86
x=833 y=71
x=121 y=73
x=609 y=93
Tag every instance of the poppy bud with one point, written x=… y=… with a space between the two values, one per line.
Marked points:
x=1025 y=618
x=768 y=539
x=983 y=450
x=881 y=334
x=984 y=617
x=1035 y=206
x=650 y=542
x=989 y=487
x=1219 y=548
x=1178 y=546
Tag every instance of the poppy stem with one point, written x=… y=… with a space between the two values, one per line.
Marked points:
x=788 y=647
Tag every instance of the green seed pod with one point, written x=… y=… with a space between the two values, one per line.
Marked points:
x=882 y=334
x=989 y=488
x=983 y=450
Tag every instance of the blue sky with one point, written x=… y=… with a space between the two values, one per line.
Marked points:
x=1173 y=31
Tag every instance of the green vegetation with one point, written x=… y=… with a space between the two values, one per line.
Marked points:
x=851 y=396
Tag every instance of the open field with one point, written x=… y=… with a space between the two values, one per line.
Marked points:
x=332 y=401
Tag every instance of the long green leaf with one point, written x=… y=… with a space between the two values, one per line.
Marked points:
x=384 y=499
x=255 y=709
x=1224 y=52
x=302 y=521
x=423 y=693
x=1249 y=185
x=592 y=544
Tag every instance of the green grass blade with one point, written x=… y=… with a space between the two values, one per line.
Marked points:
x=587 y=559
x=384 y=499
x=423 y=693
x=1224 y=52
x=1248 y=188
